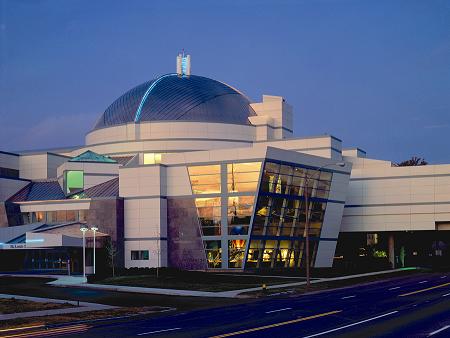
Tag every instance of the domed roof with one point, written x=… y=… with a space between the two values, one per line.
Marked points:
x=179 y=98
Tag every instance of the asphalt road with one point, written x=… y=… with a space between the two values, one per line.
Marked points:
x=414 y=306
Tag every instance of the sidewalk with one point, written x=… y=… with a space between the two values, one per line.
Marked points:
x=79 y=307
x=221 y=294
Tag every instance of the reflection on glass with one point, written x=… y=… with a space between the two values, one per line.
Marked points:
x=236 y=251
x=205 y=179
x=243 y=177
x=209 y=211
x=240 y=210
x=213 y=251
x=280 y=215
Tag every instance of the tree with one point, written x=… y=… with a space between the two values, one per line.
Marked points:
x=111 y=251
x=414 y=161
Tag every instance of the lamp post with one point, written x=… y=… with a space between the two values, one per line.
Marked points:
x=94 y=229
x=308 y=277
x=83 y=229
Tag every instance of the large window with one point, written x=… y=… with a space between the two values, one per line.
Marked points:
x=280 y=215
x=240 y=210
x=74 y=181
x=288 y=180
x=243 y=177
x=205 y=179
x=208 y=210
x=213 y=253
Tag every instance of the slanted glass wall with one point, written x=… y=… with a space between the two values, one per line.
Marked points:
x=208 y=210
x=278 y=230
x=224 y=197
x=205 y=179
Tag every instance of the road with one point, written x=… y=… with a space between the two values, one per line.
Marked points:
x=413 y=306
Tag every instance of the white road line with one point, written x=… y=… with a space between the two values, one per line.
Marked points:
x=348 y=297
x=397 y=287
x=424 y=281
x=440 y=330
x=151 y=332
x=443 y=277
x=447 y=294
x=285 y=309
x=350 y=325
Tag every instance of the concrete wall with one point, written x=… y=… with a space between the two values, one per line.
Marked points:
x=9 y=186
x=40 y=166
x=386 y=198
x=9 y=160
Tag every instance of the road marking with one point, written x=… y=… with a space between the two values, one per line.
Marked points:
x=447 y=294
x=440 y=330
x=397 y=287
x=443 y=277
x=51 y=332
x=350 y=325
x=277 y=324
x=424 y=281
x=348 y=297
x=158 y=331
x=20 y=328
x=423 y=290
x=287 y=308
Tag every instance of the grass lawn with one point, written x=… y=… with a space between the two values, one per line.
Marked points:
x=193 y=280
x=12 y=305
x=37 y=287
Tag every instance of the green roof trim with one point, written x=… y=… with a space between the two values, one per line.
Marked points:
x=90 y=156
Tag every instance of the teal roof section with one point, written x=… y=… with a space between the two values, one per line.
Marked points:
x=90 y=156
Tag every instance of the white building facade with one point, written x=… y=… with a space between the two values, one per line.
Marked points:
x=184 y=171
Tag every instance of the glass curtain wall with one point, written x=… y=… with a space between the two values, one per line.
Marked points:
x=224 y=198
x=278 y=231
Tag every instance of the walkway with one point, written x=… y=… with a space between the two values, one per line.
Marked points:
x=220 y=294
x=79 y=307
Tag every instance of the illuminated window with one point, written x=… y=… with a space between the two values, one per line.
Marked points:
x=213 y=253
x=74 y=181
x=152 y=158
x=205 y=179
x=240 y=209
x=208 y=211
x=236 y=251
x=243 y=177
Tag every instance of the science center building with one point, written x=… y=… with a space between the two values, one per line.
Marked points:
x=185 y=171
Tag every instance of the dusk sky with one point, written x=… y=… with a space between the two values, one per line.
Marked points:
x=375 y=74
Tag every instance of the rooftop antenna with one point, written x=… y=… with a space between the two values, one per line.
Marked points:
x=183 y=64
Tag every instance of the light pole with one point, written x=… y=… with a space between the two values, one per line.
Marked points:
x=83 y=229
x=308 y=277
x=94 y=229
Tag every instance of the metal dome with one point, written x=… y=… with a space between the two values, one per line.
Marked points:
x=176 y=98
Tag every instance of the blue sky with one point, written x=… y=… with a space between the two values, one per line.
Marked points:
x=375 y=74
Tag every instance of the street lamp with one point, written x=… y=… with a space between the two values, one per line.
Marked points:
x=83 y=229
x=94 y=229
x=308 y=278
